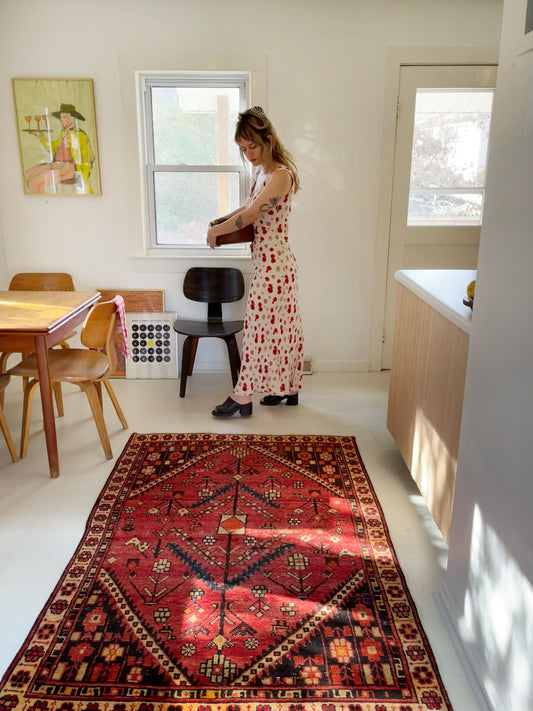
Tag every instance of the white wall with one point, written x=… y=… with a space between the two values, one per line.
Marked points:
x=488 y=591
x=325 y=74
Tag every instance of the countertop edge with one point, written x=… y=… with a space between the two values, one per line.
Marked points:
x=443 y=290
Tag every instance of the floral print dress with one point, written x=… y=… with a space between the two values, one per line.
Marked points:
x=272 y=347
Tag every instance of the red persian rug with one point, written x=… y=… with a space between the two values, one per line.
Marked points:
x=230 y=573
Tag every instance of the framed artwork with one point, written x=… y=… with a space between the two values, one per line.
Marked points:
x=56 y=126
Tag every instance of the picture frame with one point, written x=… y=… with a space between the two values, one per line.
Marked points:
x=56 y=127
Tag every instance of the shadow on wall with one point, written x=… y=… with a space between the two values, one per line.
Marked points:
x=498 y=618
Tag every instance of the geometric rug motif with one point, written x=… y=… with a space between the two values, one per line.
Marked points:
x=230 y=573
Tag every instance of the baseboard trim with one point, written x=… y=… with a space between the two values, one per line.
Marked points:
x=466 y=656
x=340 y=366
x=318 y=366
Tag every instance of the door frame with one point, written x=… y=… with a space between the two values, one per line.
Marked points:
x=396 y=58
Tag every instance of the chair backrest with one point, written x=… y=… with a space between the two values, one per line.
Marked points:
x=97 y=332
x=41 y=281
x=214 y=286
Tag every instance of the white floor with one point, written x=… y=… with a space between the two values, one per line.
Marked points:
x=42 y=519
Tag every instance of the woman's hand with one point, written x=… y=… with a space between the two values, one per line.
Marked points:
x=211 y=238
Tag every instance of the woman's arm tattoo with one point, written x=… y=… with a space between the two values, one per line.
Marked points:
x=265 y=207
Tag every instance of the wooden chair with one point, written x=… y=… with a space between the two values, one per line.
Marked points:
x=87 y=367
x=41 y=281
x=4 y=380
x=214 y=286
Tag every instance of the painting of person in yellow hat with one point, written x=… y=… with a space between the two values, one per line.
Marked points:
x=71 y=154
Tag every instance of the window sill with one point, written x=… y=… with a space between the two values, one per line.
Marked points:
x=168 y=262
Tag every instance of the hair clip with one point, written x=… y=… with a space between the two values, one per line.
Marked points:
x=259 y=111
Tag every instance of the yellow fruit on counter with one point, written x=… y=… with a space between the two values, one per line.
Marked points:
x=470 y=289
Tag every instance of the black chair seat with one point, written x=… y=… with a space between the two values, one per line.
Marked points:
x=213 y=286
x=204 y=329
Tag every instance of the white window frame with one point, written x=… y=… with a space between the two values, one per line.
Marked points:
x=149 y=168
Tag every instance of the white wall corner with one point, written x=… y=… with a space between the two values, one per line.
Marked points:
x=466 y=654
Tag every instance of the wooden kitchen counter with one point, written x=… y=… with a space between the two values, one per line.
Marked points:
x=430 y=351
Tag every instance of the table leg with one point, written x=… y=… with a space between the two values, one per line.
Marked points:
x=47 y=405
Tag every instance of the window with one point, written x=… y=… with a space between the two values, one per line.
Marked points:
x=449 y=159
x=193 y=171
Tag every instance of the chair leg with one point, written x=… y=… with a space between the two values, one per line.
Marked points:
x=98 y=386
x=187 y=361
x=192 y=347
x=7 y=436
x=59 y=398
x=114 y=400
x=3 y=363
x=26 y=416
x=98 y=415
x=57 y=386
x=3 y=368
x=234 y=358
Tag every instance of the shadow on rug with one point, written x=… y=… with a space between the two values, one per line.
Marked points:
x=230 y=573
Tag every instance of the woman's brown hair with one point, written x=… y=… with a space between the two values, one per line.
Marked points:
x=253 y=125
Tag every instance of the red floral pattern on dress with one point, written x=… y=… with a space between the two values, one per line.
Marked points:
x=272 y=346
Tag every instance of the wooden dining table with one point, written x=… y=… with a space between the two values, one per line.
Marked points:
x=33 y=322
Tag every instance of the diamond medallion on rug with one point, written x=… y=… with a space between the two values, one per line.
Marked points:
x=230 y=573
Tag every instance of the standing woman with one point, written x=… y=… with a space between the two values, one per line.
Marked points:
x=272 y=346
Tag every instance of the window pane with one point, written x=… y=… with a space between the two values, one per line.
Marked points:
x=445 y=208
x=195 y=126
x=185 y=203
x=450 y=142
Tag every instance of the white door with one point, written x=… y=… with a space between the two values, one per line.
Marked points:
x=441 y=145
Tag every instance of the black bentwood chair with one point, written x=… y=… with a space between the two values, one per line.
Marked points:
x=213 y=286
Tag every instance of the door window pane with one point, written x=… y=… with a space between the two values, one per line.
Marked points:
x=449 y=157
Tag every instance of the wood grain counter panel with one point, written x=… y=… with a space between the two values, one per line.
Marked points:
x=426 y=399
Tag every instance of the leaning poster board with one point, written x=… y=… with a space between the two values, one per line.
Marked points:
x=135 y=301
